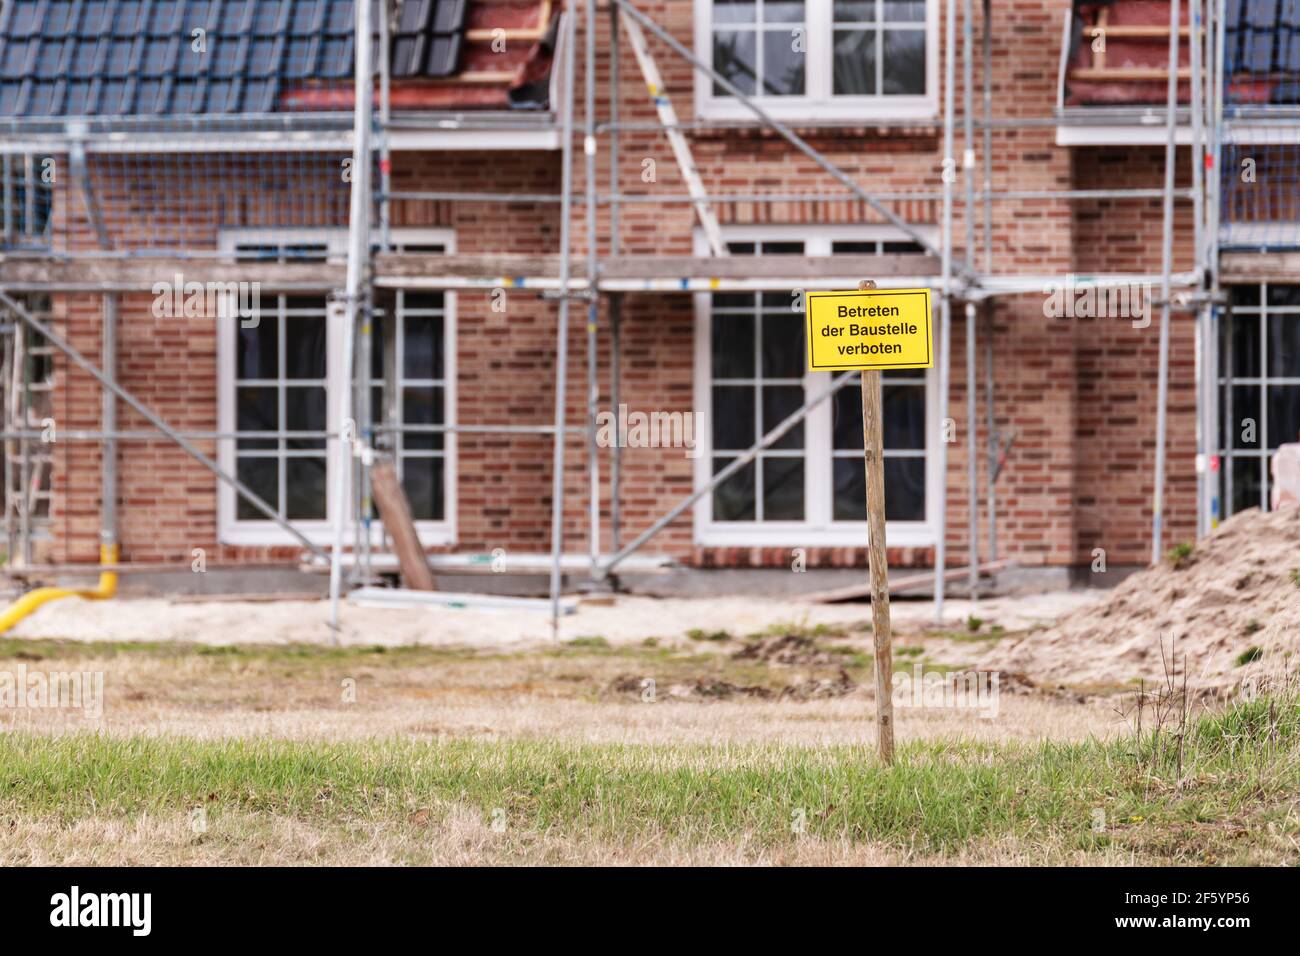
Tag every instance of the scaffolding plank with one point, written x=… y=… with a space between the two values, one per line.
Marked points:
x=1259 y=266
x=141 y=272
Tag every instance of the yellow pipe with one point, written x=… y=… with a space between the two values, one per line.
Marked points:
x=30 y=601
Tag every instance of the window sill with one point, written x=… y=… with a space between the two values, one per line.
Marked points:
x=898 y=534
x=256 y=534
x=903 y=113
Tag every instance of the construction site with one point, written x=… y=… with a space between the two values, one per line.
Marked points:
x=450 y=387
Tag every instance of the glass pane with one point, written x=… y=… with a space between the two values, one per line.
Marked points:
x=855 y=11
x=1283 y=414
x=422 y=300
x=734 y=58
x=262 y=477
x=304 y=411
x=849 y=490
x=422 y=344
x=733 y=500
x=304 y=347
x=422 y=480
x=902 y=248
x=422 y=406
x=855 y=63
x=783 y=11
x=784 y=248
x=304 y=487
x=904 y=416
x=783 y=66
x=1247 y=484
x=733 y=417
x=1288 y=295
x=855 y=248
x=782 y=489
x=733 y=346
x=904 y=489
x=258 y=350
x=904 y=11
x=783 y=348
x=1240 y=342
x=256 y=410
x=1245 y=294
x=1284 y=346
x=904 y=58
x=1242 y=427
x=846 y=418
x=779 y=403
x=377 y=333
x=734 y=11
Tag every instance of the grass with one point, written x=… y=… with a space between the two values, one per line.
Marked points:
x=696 y=634
x=1240 y=775
x=1179 y=553
x=1249 y=656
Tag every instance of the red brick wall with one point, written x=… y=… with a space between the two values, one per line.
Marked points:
x=1079 y=395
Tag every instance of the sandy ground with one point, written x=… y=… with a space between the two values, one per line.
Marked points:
x=1227 y=611
x=618 y=620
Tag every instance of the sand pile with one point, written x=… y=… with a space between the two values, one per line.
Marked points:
x=1232 y=606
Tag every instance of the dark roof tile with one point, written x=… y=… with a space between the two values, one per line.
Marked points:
x=83 y=57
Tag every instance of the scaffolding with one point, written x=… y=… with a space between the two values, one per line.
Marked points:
x=971 y=283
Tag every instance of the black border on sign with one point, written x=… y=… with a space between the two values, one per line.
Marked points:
x=929 y=331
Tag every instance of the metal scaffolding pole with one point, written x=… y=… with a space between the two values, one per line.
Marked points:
x=154 y=419
x=593 y=303
x=1203 y=444
x=562 y=332
x=990 y=414
x=945 y=302
x=615 y=299
x=108 y=416
x=1166 y=266
x=358 y=252
x=968 y=209
x=1219 y=501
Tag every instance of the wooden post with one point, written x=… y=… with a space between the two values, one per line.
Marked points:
x=872 y=444
x=395 y=512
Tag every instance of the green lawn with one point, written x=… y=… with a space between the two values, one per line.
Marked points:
x=1235 y=800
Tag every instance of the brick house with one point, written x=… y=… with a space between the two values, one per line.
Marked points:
x=209 y=143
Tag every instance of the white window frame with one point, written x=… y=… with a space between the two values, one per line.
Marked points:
x=818 y=102
x=1228 y=453
x=818 y=529
x=231 y=530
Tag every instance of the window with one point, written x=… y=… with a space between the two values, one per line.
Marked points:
x=1259 y=389
x=412 y=345
x=808 y=488
x=279 y=381
x=820 y=59
x=280 y=408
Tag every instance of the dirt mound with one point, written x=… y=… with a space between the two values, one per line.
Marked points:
x=793 y=650
x=1232 y=606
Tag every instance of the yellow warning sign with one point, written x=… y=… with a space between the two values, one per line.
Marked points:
x=876 y=328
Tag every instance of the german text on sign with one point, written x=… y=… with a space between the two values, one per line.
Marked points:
x=872 y=329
